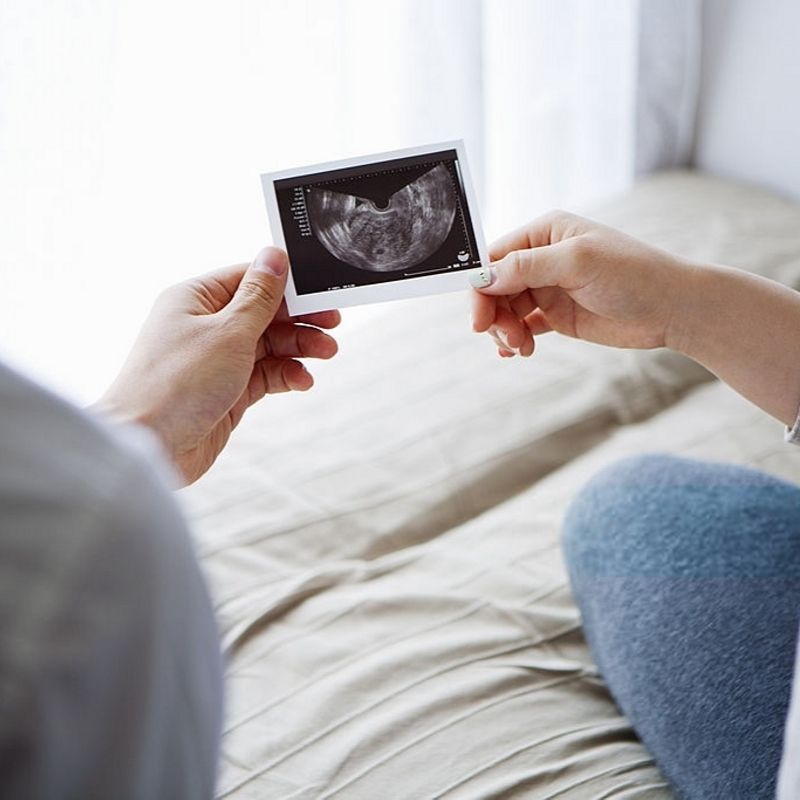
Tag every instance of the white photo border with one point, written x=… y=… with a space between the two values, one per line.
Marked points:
x=388 y=290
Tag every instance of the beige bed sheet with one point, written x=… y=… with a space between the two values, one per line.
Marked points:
x=383 y=551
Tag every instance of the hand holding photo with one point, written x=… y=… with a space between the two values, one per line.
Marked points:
x=376 y=228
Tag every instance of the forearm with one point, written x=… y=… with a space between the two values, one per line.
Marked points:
x=746 y=330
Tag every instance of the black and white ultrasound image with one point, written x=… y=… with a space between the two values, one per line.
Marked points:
x=376 y=223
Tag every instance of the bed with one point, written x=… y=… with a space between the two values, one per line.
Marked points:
x=384 y=551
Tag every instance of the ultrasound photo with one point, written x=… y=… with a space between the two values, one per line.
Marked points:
x=375 y=221
x=387 y=233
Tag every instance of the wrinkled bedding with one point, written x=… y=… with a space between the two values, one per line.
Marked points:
x=383 y=551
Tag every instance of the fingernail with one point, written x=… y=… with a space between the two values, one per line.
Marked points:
x=308 y=375
x=271 y=261
x=501 y=337
x=483 y=277
x=501 y=341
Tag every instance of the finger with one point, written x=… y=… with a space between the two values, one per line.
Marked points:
x=548 y=229
x=204 y=294
x=258 y=297
x=526 y=351
x=536 y=323
x=282 y=314
x=286 y=340
x=535 y=268
x=483 y=311
x=296 y=377
x=501 y=345
x=534 y=234
x=500 y=339
x=319 y=319
x=512 y=330
x=528 y=346
x=277 y=375
x=226 y=279
x=503 y=350
x=523 y=304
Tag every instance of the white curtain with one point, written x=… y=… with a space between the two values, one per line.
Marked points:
x=132 y=134
x=668 y=82
x=560 y=83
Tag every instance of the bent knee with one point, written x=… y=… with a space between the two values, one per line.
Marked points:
x=607 y=519
x=662 y=515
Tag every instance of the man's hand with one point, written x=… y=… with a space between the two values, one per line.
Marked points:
x=210 y=348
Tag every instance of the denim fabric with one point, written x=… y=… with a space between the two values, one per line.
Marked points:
x=687 y=575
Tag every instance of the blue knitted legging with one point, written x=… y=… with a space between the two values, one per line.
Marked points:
x=687 y=575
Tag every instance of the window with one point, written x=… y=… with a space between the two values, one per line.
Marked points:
x=132 y=135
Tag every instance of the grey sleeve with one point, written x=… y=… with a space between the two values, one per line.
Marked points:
x=111 y=667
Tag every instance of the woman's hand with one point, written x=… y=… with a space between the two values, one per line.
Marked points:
x=567 y=274
x=210 y=348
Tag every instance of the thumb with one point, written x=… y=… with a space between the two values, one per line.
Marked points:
x=523 y=269
x=258 y=297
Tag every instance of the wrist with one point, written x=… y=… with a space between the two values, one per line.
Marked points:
x=691 y=312
x=125 y=413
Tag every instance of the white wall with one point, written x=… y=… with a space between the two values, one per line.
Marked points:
x=749 y=115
